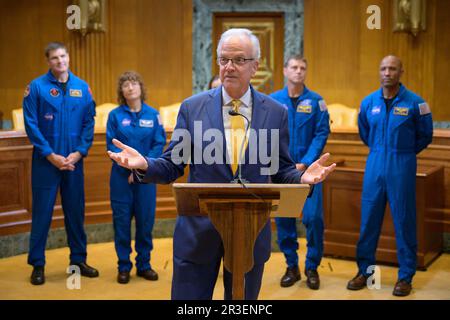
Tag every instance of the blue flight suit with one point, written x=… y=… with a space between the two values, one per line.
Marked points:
x=144 y=132
x=394 y=137
x=58 y=121
x=309 y=127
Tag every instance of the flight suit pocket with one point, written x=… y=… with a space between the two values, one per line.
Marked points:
x=402 y=130
x=75 y=141
x=48 y=119
x=302 y=118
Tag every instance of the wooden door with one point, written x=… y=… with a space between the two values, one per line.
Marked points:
x=269 y=28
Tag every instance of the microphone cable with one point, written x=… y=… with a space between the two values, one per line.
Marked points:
x=240 y=180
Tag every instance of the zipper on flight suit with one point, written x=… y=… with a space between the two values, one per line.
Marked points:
x=63 y=125
x=292 y=129
x=386 y=136
x=295 y=133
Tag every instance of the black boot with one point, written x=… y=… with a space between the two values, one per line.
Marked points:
x=291 y=276
x=149 y=274
x=86 y=270
x=313 y=280
x=37 y=276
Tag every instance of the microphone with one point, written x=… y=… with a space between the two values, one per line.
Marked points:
x=239 y=179
x=233 y=113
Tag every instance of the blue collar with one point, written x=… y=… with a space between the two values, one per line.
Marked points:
x=304 y=93
x=401 y=91
x=127 y=109
x=52 y=78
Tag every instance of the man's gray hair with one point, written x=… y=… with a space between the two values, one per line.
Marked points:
x=240 y=32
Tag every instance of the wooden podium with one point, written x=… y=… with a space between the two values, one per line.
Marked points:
x=239 y=214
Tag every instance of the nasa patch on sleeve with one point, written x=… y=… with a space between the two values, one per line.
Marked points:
x=424 y=108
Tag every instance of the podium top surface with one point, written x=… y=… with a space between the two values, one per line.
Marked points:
x=238 y=186
x=188 y=195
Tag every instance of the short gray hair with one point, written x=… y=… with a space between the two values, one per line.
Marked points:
x=240 y=32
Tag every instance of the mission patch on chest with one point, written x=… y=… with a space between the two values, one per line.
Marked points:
x=76 y=93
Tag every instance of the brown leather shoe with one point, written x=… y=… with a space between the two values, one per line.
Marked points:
x=149 y=274
x=402 y=288
x=123 y=277
x=312 y=279
x=357 y=283
x=291 y=276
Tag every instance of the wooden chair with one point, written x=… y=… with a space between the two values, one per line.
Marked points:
x=17 y=117
x=342 y=116
x=169 y=115
x=101 y=118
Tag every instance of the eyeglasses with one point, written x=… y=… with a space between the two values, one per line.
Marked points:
x=239 y=61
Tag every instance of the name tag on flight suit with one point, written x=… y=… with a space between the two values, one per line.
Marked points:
x=146 y=123
x=304 y=109
x=401 y=111
x=76 y=93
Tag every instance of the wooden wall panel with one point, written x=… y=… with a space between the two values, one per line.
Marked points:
x=15 y=186
x=347 y=146
x=15 y=161
x=151 y=37
x=344 y=54
x=342 y=215
x=25 y=28
x=442 y=57
x=269 y=28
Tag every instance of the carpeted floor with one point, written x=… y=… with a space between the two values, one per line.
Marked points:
x=14 y=278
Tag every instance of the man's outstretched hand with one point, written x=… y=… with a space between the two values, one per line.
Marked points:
x=128 y=158
x=317 y=171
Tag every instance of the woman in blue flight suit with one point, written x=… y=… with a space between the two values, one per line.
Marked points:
x=137 y=125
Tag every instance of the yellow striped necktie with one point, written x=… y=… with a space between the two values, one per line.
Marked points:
x=237 y=135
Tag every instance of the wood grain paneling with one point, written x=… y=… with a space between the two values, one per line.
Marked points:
x=344 y=54
x=15 y=196
x=348 y=146
x=342 y=215
x=15 y=186
x=268 y=27
x=153 y=38
x=25 y=28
